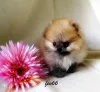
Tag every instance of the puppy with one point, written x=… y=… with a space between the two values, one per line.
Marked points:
x=63 y=46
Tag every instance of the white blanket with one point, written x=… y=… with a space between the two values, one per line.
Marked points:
x=85 y=80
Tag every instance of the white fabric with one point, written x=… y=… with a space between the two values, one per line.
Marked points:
x=96 y=8
x=85 y=80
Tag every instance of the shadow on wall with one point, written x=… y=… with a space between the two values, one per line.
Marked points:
x=23 y=19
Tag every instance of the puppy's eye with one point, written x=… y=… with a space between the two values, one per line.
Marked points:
x=73 y=25
x=54 y=43
x=66 y=44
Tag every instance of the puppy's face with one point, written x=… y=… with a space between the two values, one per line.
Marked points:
x=62 y=37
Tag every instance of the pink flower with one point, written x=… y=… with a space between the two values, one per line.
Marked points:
x=20 y=66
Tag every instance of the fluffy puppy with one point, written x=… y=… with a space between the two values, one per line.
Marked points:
x=63 y=47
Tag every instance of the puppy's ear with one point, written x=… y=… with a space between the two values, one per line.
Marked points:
x=76 y=26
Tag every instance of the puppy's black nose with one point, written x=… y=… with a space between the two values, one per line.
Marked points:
x=59 y=50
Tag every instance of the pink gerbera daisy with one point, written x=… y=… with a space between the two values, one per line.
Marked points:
x=20 y=66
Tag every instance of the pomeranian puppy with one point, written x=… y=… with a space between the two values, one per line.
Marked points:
x=63 y=46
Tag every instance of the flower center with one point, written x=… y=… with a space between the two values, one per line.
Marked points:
x=20 y=71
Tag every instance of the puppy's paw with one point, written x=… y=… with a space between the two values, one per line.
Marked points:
x=72 y=68
x=59 y=72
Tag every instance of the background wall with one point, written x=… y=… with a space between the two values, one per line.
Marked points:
x=27 y=19
x=24 y=19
